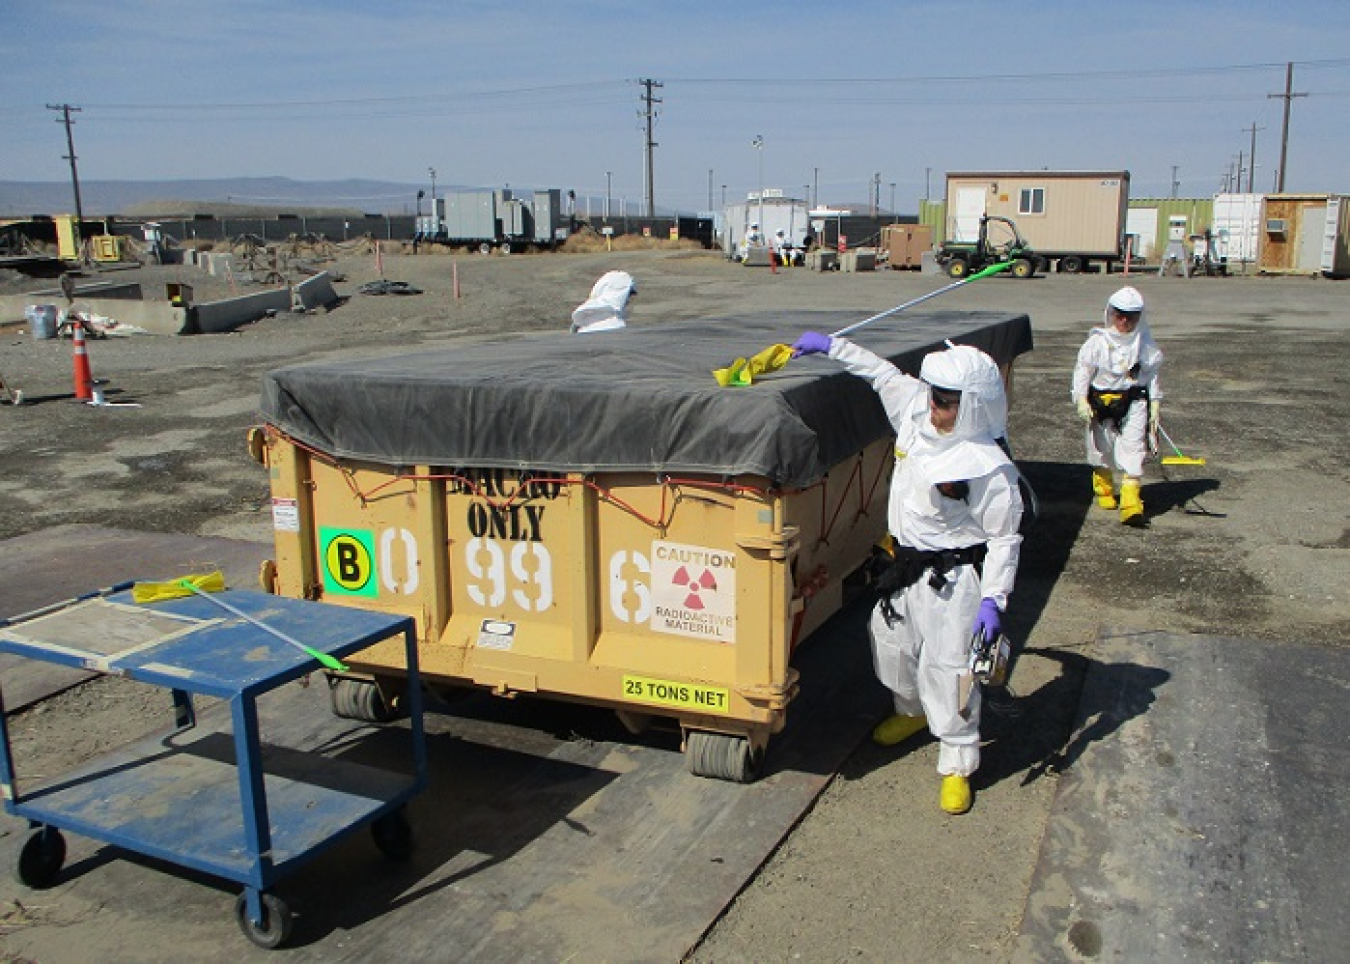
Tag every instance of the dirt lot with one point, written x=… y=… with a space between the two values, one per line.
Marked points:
x=1256 y=543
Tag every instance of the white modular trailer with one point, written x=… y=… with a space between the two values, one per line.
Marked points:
x=1236 y=227
x=772 y=211
x=1071 y=219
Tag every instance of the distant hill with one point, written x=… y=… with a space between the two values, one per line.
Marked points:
x=143 y=198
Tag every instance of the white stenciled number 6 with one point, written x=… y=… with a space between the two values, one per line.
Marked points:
x=409 y=584
x=542 y=577
x=620 y=586
x=494 y=573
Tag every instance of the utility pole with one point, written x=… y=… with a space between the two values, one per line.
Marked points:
x=66 y=110
x=710 y=179
x=1237 y=184
x=1251 y=174
x=875 y=193
x=649 y=101
x=815 y=188
x=1288 y=97
x=1176 y=185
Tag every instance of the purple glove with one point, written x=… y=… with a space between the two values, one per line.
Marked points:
x=989 y=620
x=812 y=343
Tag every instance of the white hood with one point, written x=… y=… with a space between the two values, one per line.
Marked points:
x=606 y=309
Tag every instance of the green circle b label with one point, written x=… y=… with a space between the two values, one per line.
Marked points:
x=348 y=562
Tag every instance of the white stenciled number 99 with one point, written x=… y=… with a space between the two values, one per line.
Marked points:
x=531 y=574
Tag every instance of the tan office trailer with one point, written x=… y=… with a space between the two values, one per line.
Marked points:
x=590 y=517
x=1073 y=220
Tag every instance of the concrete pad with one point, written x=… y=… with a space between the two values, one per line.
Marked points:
x=1201 y=810
x=52 y=565
x=547 y=833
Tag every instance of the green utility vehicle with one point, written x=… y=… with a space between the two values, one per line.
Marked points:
x=962 y=258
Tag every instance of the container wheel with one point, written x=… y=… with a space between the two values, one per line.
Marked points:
x=276 y=922
x=356 y=699
x=957 y=268
x=41 y=858
x=485 y=247
x=393 y=835
x=1022 y=268
x=721 y=756
x=1073 y=264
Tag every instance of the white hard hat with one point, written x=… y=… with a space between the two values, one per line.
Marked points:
x=1127 y=299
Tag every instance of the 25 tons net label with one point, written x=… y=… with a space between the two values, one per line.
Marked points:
x=684 y=696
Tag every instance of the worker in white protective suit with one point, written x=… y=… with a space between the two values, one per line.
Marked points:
x=782 y=247
x=1117 y=394
x=607 y=307
x=754 y=238
x=954 y=516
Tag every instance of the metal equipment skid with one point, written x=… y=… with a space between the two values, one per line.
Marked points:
x=197 y=798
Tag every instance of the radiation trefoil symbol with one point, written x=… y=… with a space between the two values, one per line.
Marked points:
x=694 y=587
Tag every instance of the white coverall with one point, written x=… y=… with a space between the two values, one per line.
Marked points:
x=1107 y=362
x=922 y=656
x=607 y=307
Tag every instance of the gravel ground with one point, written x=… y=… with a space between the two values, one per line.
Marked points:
x=1256 y=543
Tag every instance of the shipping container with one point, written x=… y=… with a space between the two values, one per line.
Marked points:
x=1073 y=220
x=1303 y=234
x=591 y=518
x=493 y=219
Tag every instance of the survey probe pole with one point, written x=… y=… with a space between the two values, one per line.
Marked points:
x=992 y=269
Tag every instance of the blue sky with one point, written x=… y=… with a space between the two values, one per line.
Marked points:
x=545 y=94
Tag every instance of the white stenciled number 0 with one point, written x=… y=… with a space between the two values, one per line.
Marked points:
x=410 y=581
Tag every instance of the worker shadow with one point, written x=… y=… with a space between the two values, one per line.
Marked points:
x=1062 y=493
x=1172 y=494
x=1045 y=731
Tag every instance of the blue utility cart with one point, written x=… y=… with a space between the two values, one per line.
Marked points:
x=235 y=808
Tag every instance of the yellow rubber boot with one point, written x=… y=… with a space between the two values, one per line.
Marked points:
x=1131 y=505
x=955 y=796
x=896 y=729
x=1104 y=487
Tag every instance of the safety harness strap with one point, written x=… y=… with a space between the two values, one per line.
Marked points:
x=909 y=565
x=1114 y=406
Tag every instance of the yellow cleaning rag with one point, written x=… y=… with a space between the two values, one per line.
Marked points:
x=145 y=592
x=743 y=371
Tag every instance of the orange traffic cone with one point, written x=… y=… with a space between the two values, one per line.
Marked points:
x=84 y=378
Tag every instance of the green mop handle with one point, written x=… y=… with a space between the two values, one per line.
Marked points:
x=992 y=269
x=329 y=661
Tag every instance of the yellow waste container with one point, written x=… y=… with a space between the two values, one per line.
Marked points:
x=590 y=517
x=106 y=247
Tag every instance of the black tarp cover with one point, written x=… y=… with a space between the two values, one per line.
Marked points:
x=636 y=399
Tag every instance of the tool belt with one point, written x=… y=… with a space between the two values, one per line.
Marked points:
x=909 y=565
x=1114 y=406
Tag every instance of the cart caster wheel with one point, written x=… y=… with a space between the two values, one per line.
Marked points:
x=355 y=699
x=41 y=858
x=393 y=835
x=276 y=922
x=721 y=756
